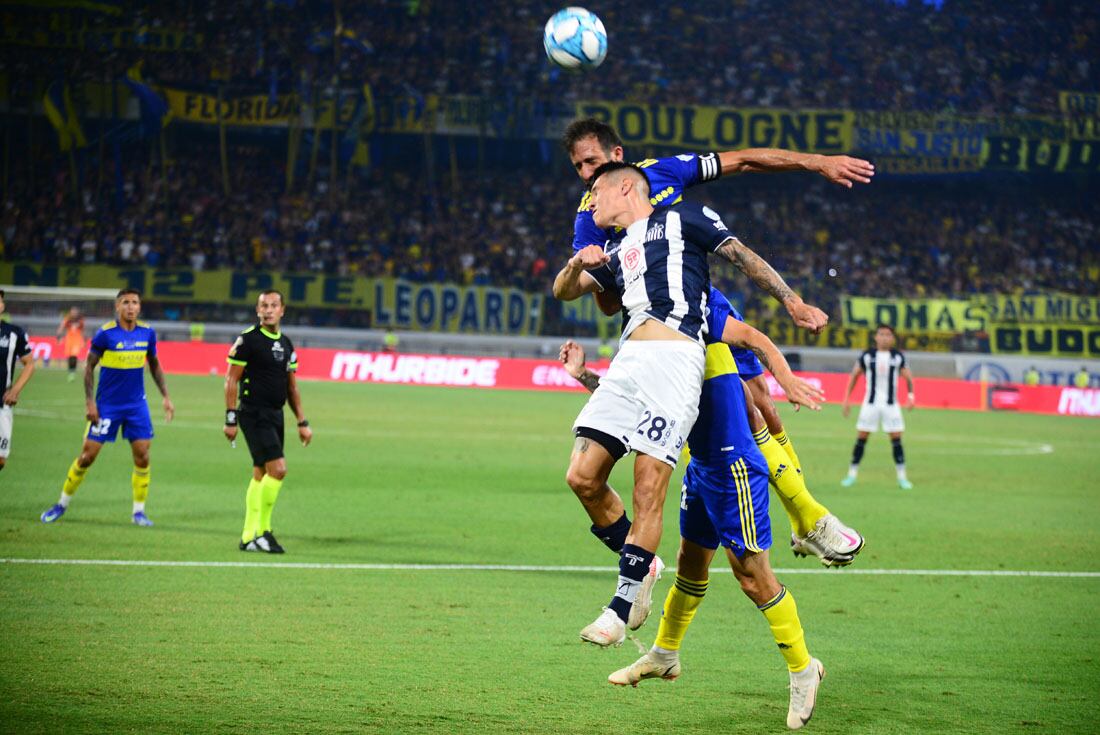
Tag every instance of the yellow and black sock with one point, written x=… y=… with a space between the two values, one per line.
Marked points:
x=788 y=447
x=683 y=599
x=253 y=500
x=802 y=509
x=782 y=616
x=139 y=482
x=269 y=486
x=73 y=479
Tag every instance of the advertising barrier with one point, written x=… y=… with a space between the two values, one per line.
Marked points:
x=345 y=366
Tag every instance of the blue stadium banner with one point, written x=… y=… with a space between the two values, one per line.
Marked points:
x=391 y=302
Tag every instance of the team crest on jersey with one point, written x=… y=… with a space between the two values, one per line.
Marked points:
x=277 y=351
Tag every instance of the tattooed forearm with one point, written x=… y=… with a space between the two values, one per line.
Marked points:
x=589 y=380
x=763 y=357
x=158 y=376
x=89 y=376
x=756 y=268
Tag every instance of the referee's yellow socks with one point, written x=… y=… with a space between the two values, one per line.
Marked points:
x=785 y=442
x=802 y=509
x=782 y=616
x=253 y=500
x=270 y=487
x=680 y=605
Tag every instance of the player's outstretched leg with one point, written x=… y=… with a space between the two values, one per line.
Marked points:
x=777 y=604
x=662 y=661
x=73 y=478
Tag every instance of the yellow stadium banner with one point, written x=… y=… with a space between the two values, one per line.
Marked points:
x=696 y=128
x=1041 y=340
x=1046 y=308
x=943 y=316
x=785 y=333
x=391 y=302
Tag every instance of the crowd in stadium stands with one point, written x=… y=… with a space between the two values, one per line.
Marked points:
x=988 y=56
x=513 y=228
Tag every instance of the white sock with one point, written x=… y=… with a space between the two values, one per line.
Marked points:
x=139 y=507
x=663 y=652
x=65 y=500
x=853 y=470
x=901 y=471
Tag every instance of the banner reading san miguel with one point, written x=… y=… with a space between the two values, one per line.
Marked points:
x=978 y=314
x=698 y=128
x=391 y=302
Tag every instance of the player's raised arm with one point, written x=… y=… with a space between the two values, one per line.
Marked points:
x=852 y=378
x=574 y=280
x=799 y=392
x=158 y=377
x=763 y=275
x=572 y=357
x=842 y=170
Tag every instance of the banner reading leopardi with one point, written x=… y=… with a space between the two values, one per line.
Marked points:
x=391 y=302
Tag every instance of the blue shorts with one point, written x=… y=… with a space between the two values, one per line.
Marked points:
x=748 y=364
x=133 y=420
x=727 y=506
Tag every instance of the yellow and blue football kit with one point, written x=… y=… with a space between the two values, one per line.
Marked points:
x=724 y=501
x=120 y=395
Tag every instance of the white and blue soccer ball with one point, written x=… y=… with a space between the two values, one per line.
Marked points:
x=575 y=39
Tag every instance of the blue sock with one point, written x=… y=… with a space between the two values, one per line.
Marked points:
x=633 y=566
x=614 y=536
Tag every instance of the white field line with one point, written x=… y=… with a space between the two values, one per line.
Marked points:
x=530 y=568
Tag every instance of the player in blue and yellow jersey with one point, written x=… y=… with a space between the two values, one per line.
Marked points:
x=121 y=349
x=590 y=143
x=724 y=502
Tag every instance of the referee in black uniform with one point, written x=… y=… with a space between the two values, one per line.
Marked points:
x=259 y=382
x=13 y=347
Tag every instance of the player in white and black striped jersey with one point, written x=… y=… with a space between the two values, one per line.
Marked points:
x=14 y=347
x=881 y=406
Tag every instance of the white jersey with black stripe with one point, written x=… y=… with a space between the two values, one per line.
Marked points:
x=881 y=369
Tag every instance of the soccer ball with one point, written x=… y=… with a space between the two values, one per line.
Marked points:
x=575 y=39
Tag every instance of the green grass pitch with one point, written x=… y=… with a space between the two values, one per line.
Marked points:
x=404 y=475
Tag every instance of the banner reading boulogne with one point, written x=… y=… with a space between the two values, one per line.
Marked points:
x=390 y=302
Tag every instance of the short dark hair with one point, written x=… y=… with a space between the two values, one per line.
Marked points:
x=888 y=327
x=269 y=291
x=580 y=129
x=127 y=292
x=612 y=166
x=2 y=294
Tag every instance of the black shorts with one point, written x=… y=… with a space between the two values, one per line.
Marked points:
x=263 y=430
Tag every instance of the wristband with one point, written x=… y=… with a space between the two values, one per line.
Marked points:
x=230 y=417
x=303 y=423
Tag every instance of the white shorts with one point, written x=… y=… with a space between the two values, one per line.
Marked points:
x=5 y=431
x=648 y=400
x=870 y=416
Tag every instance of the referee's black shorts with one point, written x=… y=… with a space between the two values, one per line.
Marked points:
x=263 y=430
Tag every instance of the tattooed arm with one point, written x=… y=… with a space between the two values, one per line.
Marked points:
x=572 y=357
x=799 y=392
x=763 y=275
